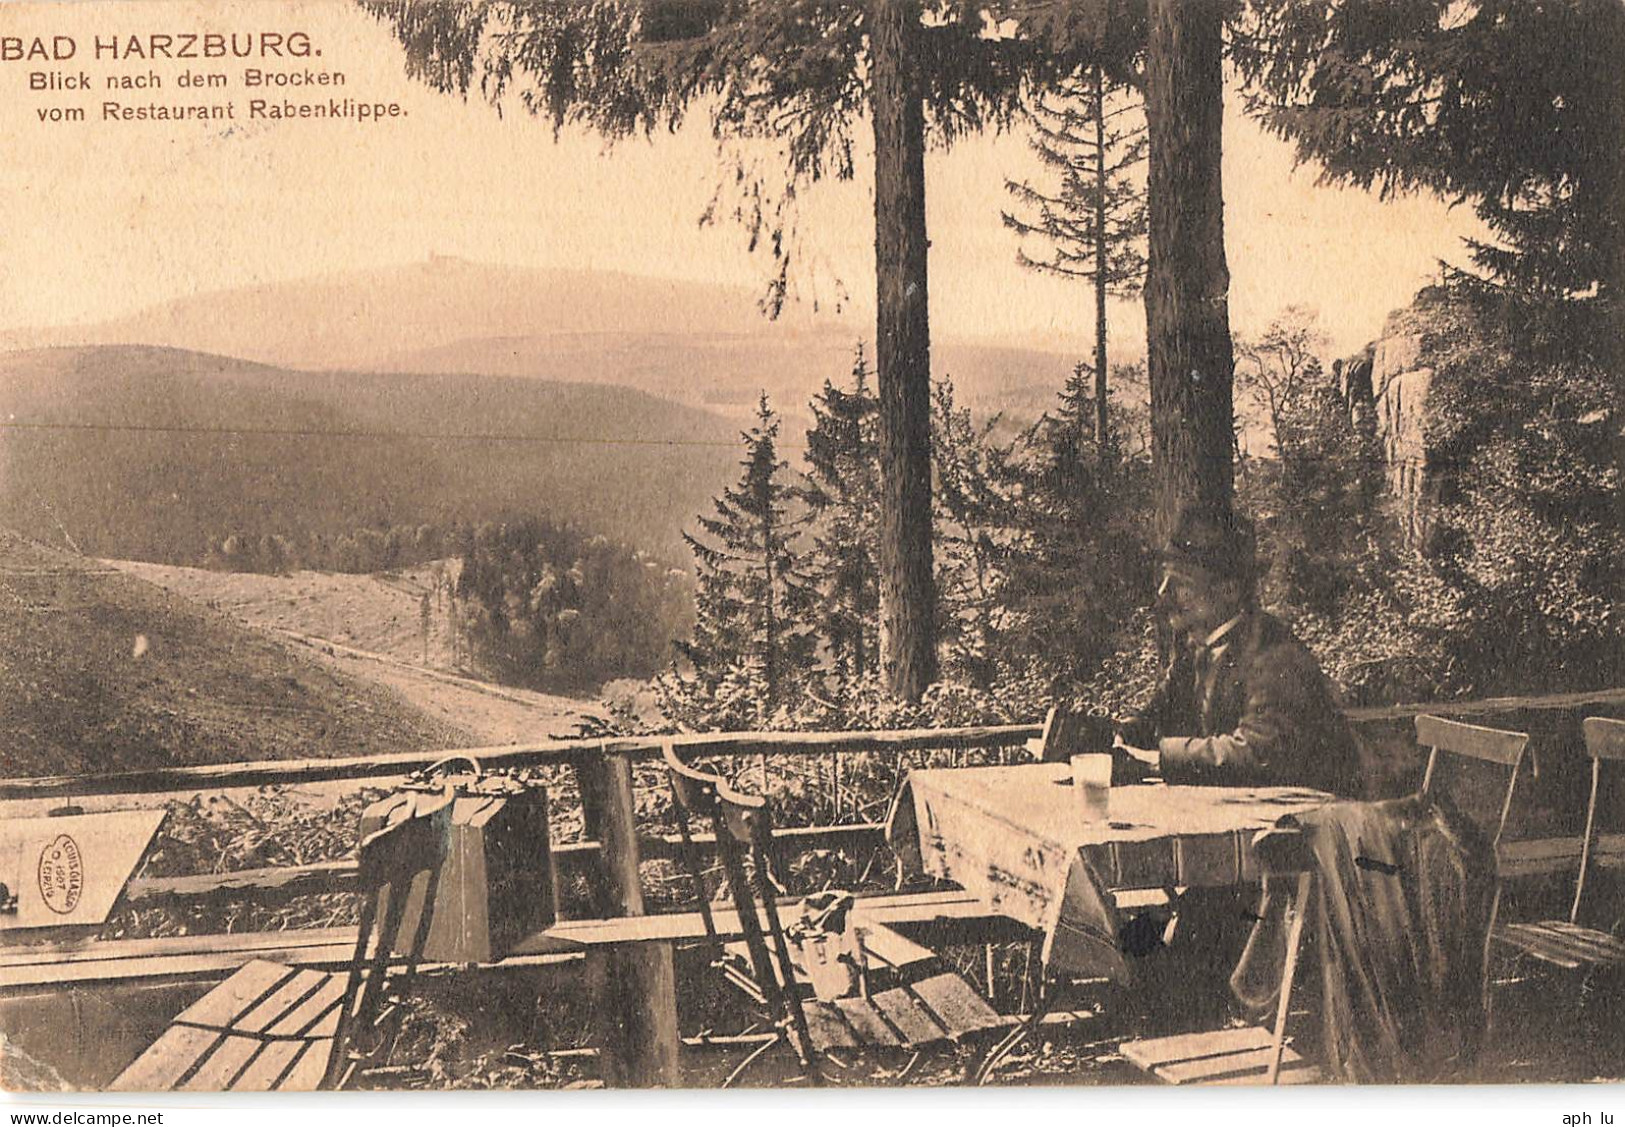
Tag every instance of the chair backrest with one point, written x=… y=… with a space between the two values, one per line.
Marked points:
x=393 y=864
x=1604 y=740
x=1070 y=731
x=743 y=826
x=1469 y=741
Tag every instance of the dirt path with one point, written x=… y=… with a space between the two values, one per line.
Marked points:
x=496 y=714
x=374 y=627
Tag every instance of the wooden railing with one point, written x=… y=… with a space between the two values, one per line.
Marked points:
x=225 y=776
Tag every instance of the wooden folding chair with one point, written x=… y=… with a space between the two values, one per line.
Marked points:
x=1566 y=943
x=1484 y=745
x=273 y=1028
x=1251 y=1054
x=914 y=1015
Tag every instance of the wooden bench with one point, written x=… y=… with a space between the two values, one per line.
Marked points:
x=266 y=1028
x=202 y=957
x=270 y=1027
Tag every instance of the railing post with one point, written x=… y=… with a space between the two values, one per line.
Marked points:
x=638 y=1004
x=593 y=781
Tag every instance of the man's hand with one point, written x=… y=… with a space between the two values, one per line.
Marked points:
x=1132 y=764
x=1149 y=758
x=1134 y=731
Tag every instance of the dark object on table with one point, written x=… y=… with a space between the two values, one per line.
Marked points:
x=1070 y=731
x=274 y=1028
x=934 y=1010
x=499 y=884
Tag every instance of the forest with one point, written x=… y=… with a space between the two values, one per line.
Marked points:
x=914 y=558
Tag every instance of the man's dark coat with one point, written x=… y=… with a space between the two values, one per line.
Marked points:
x=1254 y=709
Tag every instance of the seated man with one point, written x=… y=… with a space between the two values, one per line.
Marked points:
x=1243 y=702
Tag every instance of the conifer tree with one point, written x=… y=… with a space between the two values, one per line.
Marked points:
x=1513 y=106
x=842 y=494
x=973 y=524
x=753 y=595
x=1090 y=134
x=1081 y=524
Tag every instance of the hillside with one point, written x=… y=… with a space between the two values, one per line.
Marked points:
x=102 y=672
x=725 y=372
x=370 y=627
x=695 y=343
x=151 y=453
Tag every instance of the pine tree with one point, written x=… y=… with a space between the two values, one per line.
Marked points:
x=753 y=596
x=1082 y=565
x=1090 y=134
x=842 y=495
x=973 y=522
x=1513 y=106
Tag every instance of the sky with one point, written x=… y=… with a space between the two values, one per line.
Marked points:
x=103 y=218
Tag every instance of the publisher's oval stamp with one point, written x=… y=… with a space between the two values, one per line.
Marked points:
x=61 y=874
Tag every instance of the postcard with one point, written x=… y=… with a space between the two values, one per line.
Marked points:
x=556 y=544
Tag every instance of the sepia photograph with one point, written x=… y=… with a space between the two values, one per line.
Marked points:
x=811 y=544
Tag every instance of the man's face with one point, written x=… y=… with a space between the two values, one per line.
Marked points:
x=1194 y=602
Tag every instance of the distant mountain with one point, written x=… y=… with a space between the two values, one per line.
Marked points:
x=352 y=319
x=700 y=344
x=432 y=391
x=149 y=453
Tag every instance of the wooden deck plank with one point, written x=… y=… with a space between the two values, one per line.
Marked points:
x=168 y=1059
x=267 y=1068
x=913 y=1022
x=105 y=950
x=223 y=1065
x=866 y=1022
x=894 y=950
x=279 y=1002
x=234 y=997
x=827 y=1027
x=307 y=1072
x=956 y=1005
x=304 y=1016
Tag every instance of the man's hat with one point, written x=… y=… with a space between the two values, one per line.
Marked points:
x=1223 y=547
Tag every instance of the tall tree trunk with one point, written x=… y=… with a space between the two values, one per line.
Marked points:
x=770 y=631
x=1609 y=36
x=902 y=355
x=1187 y=309
x=1102 y=264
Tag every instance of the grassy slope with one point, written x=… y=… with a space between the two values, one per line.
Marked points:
x=151 y=453
x=75 y=698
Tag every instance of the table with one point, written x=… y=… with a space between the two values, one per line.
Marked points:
x=1019 y=839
